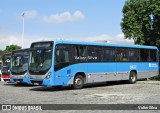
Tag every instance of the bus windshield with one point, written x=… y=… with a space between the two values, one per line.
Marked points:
x=40 y=60
x=19 y=61
x=6 y=63
x=6 y=60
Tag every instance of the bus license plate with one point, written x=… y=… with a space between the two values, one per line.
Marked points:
x=17 y=81
x=7 y=81
x=36 y=83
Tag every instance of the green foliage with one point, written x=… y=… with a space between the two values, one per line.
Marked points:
x=10 y=48
x=141 y=21
x=155 y=78
x=1 y=53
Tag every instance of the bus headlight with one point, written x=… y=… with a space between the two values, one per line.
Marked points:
x=26 y=75
x=48 y=75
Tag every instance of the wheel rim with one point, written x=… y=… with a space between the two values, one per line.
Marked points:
x=78 y=82
x=133 y=78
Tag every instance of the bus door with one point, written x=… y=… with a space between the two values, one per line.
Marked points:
x=62 y=64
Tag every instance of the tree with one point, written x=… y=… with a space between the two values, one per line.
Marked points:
x=10 y=48
x=141 y=21
x=1 y=53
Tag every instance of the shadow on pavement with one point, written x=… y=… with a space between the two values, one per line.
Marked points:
x=63 y=88
x=18 y=84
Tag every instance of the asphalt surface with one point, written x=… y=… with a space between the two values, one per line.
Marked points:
x=143 y=92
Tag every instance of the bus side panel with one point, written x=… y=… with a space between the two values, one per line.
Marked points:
x=142 y=72
x=153 y=68
x=100 y=72
x=147 y=70
x=123 y=70
x=66 y=75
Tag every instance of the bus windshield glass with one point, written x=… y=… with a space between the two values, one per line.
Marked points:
x=6 y=63
x=19 y=62
x=40 y=58
x=6 y=59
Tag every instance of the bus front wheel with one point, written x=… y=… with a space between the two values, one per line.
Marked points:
x=132 y=77
x=78 y=82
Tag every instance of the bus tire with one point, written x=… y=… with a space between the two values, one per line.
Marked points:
x=132 y=77
x=78 y=82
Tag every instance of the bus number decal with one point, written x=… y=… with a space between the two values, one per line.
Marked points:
x=133 y=66
x=153 y=65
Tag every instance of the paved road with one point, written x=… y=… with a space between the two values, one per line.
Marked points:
x=143 y=92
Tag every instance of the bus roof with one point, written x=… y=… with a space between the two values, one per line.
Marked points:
x=99 y=44
x=20 y=49
x=104 y=44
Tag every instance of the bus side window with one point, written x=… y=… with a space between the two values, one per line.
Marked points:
x=95 y=53
x=122 y=55
x=109 y=54
x=133 y=55
x=79 y=53
x=153 y=55
x=144 y=54
x=100 y=53
x=91 y=54
x=82 y=51
x=62 y=54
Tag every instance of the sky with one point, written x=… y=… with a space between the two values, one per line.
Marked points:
x=81 y=20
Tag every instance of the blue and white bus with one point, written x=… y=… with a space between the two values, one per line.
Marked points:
x=19 y=66
x=61 y=63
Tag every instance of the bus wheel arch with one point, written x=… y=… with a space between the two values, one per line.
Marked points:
x=79 y=80
x=132 y=77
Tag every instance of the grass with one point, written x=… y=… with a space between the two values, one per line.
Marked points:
x=156 y=78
